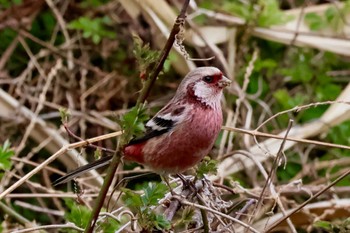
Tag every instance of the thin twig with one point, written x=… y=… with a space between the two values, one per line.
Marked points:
x=54 y=157
x=26 y=205
x=58 y=52
x=242 y=96
x=270 y=184
x=267 y=135
x=103 y=149
x=51 y=226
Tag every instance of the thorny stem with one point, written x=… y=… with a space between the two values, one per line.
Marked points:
x=165 y=52
x=143 y=96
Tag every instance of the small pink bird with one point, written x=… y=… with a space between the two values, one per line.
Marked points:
x=181 y=133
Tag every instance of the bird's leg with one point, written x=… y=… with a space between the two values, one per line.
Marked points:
x=187 y=183
x=166 y=181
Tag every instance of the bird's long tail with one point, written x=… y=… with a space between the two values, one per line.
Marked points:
x=81 y=170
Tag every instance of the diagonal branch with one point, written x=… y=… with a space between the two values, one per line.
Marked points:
x=180 y=20
x=143 y=96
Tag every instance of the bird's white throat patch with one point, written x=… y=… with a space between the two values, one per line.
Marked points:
x=207 y=95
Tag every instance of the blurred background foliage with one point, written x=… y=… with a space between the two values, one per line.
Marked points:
x=107 y=47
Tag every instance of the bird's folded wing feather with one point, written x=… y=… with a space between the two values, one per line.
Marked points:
x=164 y=121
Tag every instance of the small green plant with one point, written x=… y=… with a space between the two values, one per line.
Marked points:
x=145 y=56
x=206 y=166
x=340 y=134
x=307 y=73
x=133 y=123
x=92 y=3
x=79 y=215
x=341 y=227
x=5 y=156
x=332 y=18
x=286 y=101
x=186 y=218
x=64 y=113
x=315 y=21
x=144 y=204
x=269 y=14
x=93 y=28
x=8 y=3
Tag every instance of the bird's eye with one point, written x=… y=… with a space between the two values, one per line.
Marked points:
x=208 y=79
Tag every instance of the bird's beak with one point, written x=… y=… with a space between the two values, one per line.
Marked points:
x=224 y=82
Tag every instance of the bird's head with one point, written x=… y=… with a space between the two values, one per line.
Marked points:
x=204 y=84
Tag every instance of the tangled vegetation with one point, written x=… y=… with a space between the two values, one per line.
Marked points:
x=74 y=75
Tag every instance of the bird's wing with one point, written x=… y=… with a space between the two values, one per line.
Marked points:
x=164 y=121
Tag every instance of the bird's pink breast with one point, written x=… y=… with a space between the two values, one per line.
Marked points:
x=183 y=147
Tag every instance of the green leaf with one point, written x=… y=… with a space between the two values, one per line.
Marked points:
x=8 y=3
x=160 y=222
x=97 y=153
x=340 y=134
x=5 y=156
x=92 y=3
x=187 y=214
x=324 y=224
x=265 y=64
x=110 y=225
x=286 y=101
x=96 y=38
x=330 y=14
x=153 y=192
x=287 y=173
x=93 y=28
x=301 y=70
x=327 y=92
x=64 y=113
x=133 y=122
x=271 y=14
x=186 y=217
x=131 y=198
x=77 y=214
x=206 y=166
x=312 y=113
x=87 y=34
x=144 y=55
x=315 y=21
x=282 y=97
x=238 y=8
